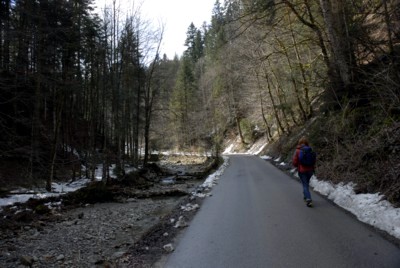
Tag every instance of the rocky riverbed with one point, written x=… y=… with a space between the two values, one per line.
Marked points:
x=134 y=229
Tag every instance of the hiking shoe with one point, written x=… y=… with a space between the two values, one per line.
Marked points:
x=309 y=203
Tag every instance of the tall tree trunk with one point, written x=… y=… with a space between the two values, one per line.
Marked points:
x=137 y=120
x=146 y=140
x=276 y=113
x=337 y=84
x=36 y=119
x=388 y=26
x=239 y=128
x=58 y=114
x=137 y=104
x=281 y=98
x=312 y=25
x=149 y=99
x=147 y=113
x=294 y=83
x=36 y=122
x=5 y=31
x=309 y=113
x=269 y=133
x=336 y=25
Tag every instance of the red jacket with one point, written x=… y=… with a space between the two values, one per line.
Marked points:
x=296 y=162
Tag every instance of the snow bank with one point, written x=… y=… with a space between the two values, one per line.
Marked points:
x=229 y=149
x=368 y=208
x=23 y=195
x=266 y=157
x=212 y=179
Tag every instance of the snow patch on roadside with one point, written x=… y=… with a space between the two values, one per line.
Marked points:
x=368 y=208
x=203 y=190
x=212 y=179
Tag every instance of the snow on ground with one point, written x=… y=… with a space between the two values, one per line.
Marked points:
x=229 y=149
x=266 y=157
x=368 y=208
x=212 y=179
x=175 y=152
x=23 y=195
x=235 y=147
x=258 y=146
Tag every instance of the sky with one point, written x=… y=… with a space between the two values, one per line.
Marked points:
x=175 y=14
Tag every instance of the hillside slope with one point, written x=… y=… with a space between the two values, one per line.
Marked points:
x=354 y=146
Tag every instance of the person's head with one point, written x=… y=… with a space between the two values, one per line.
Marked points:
x=303 y=141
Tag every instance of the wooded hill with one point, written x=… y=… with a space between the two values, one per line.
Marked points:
x=78 y=88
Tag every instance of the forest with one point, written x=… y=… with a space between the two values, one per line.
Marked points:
x=82 y=89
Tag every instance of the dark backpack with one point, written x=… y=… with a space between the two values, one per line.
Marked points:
x=307 y=156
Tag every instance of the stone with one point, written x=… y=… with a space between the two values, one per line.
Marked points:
x=168 y=248
x=26 y=260
x=94 y=233
x=181 y=223
x=47 y=257
x=118 y=254
x=189 y=207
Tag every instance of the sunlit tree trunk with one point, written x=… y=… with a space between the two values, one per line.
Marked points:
x=272 y=99
x=282 y=93
x=263 y=112
x=309 y=112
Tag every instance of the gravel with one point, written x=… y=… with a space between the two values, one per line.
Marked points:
x=133 y=232
x=86 y=237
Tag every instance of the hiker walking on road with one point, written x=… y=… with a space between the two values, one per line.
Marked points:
x=304 y=160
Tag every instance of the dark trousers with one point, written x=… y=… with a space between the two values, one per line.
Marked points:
x=305 y=180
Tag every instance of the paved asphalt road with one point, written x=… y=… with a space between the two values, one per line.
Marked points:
x=257 y=218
